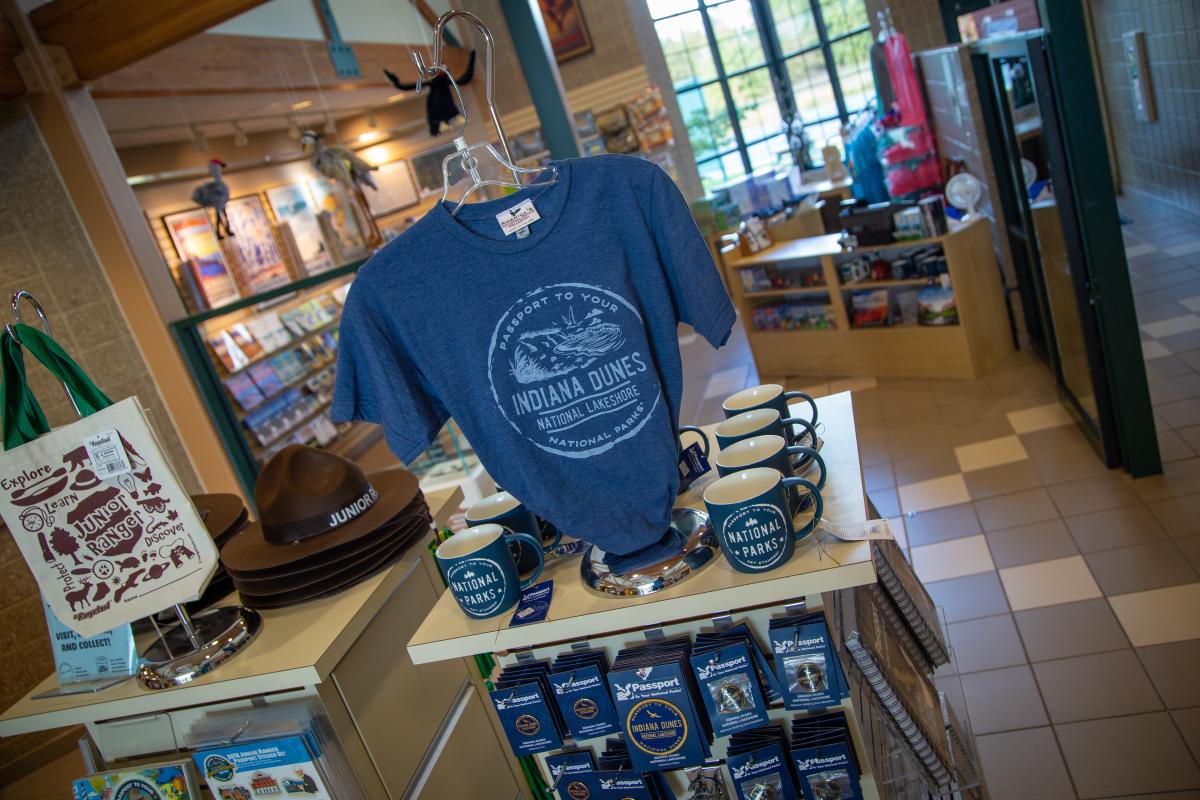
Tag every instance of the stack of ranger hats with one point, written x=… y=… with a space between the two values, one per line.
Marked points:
x=225 y=515
x=324 y=526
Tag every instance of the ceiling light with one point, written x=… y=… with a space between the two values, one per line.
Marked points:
x=240 y=139
x=371 y=121
x=330 y=129
x=369 y=136
x=301 y=105
x=199 y=138
x=397 y=97
x=375 y=155
x=293 y=129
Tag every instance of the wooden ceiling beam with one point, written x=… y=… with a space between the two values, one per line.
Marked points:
x=102 y=36
x=11 y=84
x=214 y=64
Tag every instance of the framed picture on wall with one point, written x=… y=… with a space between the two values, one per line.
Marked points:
x=338 y=220
x=566 y=28
x=293 y=207
x=196 y=244
x=262 y=265
x=427 y=170
x=397 y=189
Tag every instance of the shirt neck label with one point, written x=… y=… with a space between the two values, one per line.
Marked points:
x=518 y=218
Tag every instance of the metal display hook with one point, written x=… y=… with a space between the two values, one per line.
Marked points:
x=15 y=304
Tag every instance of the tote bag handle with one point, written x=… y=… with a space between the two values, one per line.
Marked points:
x=23 y=419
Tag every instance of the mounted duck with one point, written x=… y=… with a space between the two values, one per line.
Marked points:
x=214 y=194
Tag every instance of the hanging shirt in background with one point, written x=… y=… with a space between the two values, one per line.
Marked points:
x=555 y=350
x=904 y=81
x=883 y=81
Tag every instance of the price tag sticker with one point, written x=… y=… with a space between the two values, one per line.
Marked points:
x=858 y=531
x=107 y=454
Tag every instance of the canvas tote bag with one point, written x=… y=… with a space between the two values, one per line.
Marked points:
x=95 y=508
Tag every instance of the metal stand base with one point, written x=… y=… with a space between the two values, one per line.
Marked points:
x=702 y=549
x=180 y=655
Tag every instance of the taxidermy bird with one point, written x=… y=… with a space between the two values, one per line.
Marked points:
x=214 y=194
x=337 y=163
x=439 y=102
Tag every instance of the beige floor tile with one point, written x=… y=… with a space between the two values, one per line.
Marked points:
x=940 y=492
x=991 y=427
x=900 y=531
x=1093 y=494
x=910 y=439
x=1011 y=510
x=1046 y=583
x=1177 y=479
x=933 y=462
x=1152 y=349
x=990 y=453
x=878 y=476
x=1024 y=765
x=1061 y=466
x=952 y=559
x=727 y=381
x=937 y=525
x=1028 y=544
x=1039 y=418
x=1172 y=326
x=852 y=384
x=1116 y=527
x=1004 y=479
x=1159 y=615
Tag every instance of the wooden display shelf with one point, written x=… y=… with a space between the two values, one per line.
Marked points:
x=982 y=338
x=786 y=292
x=577 y=613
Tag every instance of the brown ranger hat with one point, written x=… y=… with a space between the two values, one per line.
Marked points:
x=311 y=501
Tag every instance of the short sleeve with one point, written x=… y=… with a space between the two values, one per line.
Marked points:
x=696 y=287
x=376 y=381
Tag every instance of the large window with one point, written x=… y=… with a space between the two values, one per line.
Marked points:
x=742 y=68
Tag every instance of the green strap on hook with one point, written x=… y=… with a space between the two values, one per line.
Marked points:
x=23 y=419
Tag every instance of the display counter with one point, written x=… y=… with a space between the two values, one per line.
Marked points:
x=812 y=308
x=818 y=576
x=344 y=656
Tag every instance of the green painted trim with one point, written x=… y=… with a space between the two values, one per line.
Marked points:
x=186 y=333
x=541 y=74
x=1104 y=248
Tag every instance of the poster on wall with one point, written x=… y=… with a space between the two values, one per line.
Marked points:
x=397 y=189
x=427 y=169
x=337 y=219
x=292 y=206
x=566 y=28
x=195 y=242
x=262 y=264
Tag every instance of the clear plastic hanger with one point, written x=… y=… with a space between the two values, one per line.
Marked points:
x=481 y=162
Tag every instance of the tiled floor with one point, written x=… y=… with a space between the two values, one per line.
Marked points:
x=1072 y=593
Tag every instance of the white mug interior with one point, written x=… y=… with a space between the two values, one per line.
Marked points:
x=470 y=541
x=741 y=486
x=492 y=506
x=748 y=422
x=750 y=451
x=753 y=397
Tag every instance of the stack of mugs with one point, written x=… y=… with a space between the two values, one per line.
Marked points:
x=767 y=462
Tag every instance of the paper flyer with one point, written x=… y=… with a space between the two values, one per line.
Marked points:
x=267 y=768
x=161 y=782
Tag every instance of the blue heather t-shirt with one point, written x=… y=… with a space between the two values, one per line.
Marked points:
x=556 y=353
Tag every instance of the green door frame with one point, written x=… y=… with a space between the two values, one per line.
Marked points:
x=1110 y=290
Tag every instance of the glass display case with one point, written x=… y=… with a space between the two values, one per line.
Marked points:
x=265 y=368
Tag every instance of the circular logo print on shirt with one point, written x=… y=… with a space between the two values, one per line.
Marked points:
x=656 y=727
x=527 y=725
x=755 y=535
x=585 y=708
x=478 y=585
x=569 y=369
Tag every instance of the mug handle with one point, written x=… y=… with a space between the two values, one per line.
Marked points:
x=808 y=451
x=694 y=429
x=818 y=504
x=557 y=537
x=536 y=546
x=802 y=396
x=809 y=427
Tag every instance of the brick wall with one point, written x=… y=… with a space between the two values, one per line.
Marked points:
x=45 y=250
x=1159 y=159
x=919 y=20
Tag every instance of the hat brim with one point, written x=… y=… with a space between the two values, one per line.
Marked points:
x=249 y=552
x=331 y=584
x=221 y=513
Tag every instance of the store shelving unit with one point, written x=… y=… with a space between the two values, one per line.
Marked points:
x=980 y=340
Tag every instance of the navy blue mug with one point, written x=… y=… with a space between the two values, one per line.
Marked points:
x=771 y=395
x=481 y=572
x=694 y=429
x=774 y=452
x=505 y=510
x=750 y=512
x=764 y=422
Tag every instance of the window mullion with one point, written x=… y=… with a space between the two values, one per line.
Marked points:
x=730 y=109
x=830 y=64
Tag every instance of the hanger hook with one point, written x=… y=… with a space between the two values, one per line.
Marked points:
x=20 y=295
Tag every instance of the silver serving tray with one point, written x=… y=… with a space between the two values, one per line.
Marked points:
x=701 y=550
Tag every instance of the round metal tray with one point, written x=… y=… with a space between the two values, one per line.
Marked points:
x=701 y=550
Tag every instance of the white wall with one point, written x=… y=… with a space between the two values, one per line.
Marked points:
x=392 y=21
